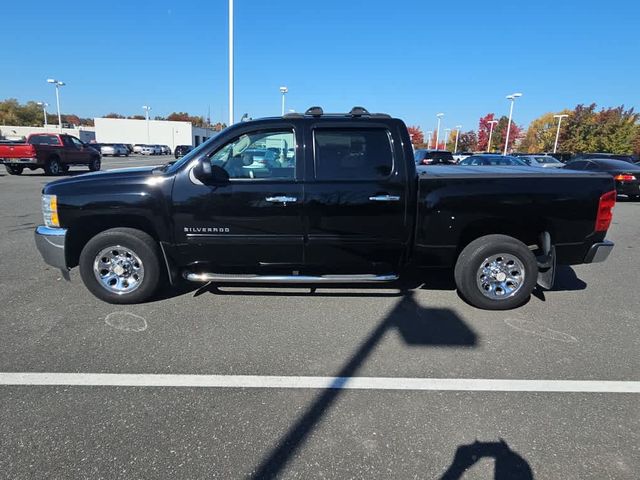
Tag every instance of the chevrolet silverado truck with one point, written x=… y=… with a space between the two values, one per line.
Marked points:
x=312 y=199
x=53 y=152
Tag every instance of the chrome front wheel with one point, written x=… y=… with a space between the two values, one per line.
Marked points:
x=118 y=269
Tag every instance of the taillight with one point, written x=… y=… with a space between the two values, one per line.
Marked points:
x=605 y=211
x=625 y=177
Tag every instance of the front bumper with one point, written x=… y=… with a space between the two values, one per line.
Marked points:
x=50 y=243
x=599 y=252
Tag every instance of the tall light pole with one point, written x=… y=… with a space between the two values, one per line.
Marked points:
x=559 y=117
x=58 y=84
x=446 y=136
x=512 y=98
x=44 y=106
x=230 y=62
x=283 y=91
x=492 y=123
x=429 y=135
x=439 y=115
x=146 y=109
x=458 y=127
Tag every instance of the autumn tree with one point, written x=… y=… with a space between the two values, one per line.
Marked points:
x=468 y=141
x=484 y=130
x=417 y=137
x=114 y=115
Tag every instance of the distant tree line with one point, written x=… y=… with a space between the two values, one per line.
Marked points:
x=585 y=129
x=31 y=114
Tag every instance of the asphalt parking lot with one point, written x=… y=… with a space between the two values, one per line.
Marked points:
x=585 y=329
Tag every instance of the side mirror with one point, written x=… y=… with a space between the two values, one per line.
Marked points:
x=209 y=174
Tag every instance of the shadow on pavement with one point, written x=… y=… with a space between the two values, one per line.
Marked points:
x=566 y=281
x=417 y=326
x=509 y=465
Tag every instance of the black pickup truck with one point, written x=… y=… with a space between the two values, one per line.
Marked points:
x=323 y=199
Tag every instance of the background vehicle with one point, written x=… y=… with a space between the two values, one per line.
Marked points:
x=137 y=148
x=351 y=209
x=492 y=160
x=52 y=152
x=610 y=156
x=459 y=156
x=113 y=150
x=625 y=174
x=545 y=161
x=424 y=156
x=151 y=150
x=165 y=149
x=182 y=150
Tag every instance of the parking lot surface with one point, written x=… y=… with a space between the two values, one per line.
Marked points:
x=585 y=329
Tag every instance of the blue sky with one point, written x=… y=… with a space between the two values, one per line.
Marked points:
x=409 y=58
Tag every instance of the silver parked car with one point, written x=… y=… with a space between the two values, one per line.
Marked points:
x=113 y=149
x=137 y=148
x=545 y=161
x=151 y=150
x=165 y=149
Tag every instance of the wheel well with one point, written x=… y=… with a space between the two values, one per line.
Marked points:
x=529 y=234
x=53 y=156
x=85 y=229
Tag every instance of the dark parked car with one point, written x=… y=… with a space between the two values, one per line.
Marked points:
x=182 y=150
x=626 y=175
x=492 y=160
x=424 y=156
x=610 y=156
x=351 y=209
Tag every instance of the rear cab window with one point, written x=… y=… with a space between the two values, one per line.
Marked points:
x=44 y=139
x=352 y=153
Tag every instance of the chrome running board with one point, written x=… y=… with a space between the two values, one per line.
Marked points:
x=300 y=279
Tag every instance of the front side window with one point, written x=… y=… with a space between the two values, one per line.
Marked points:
x=352 y=154
x=259 y=155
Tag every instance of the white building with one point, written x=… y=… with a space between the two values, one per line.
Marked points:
x=153 y=132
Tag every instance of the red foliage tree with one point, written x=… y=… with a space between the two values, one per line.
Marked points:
x=417 y=137
x=483 y=131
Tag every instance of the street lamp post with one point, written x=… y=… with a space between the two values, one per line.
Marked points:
x=491 y=125
x=446 y=137
x=511 y=97
x=429 y=134
x=146 y=109
x=283 y=91
x=58 y=84
x=458 y=127
x=439 y=115
x=559 y=117
x=44 y=106
x=230 y=62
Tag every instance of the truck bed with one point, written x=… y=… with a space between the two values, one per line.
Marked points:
x=456 y=203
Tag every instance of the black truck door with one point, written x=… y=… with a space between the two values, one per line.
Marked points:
x=355 y=200
x=253 y=222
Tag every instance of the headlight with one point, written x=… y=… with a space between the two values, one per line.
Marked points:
x=50 y=210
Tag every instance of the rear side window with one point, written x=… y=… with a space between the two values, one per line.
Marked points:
x=352 y=154
x=43 y=140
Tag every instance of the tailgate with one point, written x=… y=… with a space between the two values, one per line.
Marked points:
x=16 y=151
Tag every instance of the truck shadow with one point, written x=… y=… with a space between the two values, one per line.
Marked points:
x=509 y=465
x=417 y=326
x=566 y=281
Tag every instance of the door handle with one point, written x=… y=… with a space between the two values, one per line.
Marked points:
x=281 y=199
x=385 y=198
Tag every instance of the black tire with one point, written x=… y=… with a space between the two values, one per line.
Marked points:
x=95 y=165
x=53 y=166
x=64 y=168
x=467 y=272
x=142 y=246
x=14 y=169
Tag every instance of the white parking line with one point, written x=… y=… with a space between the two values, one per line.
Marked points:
x=349 y=383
